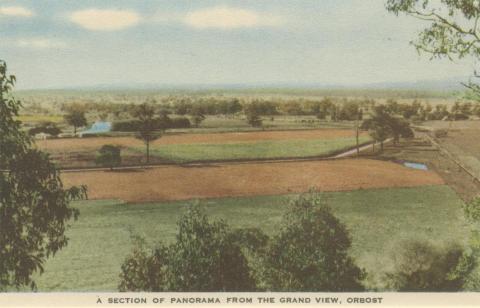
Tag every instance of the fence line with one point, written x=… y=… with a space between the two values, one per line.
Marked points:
x=452 y=157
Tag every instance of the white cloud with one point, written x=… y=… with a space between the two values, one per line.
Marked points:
x=105 y=20
x=41 y=43
x=223 y=17
x=15 y=11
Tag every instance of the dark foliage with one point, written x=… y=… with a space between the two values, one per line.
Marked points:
x=420 y=266
x=34 y=205
x=310 y=253
x=109 y=156
x=45 y=127
x=204 y=258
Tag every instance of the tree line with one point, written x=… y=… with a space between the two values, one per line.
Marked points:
x=310 y=252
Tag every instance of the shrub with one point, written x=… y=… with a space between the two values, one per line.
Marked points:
x=204 y=258
x=440 y=133
x=160 y=123
x=420 y=266
x=45 y=127
x=180 y=122
x=109 y=156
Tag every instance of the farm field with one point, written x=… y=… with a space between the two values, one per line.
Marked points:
x=244 y=179
x=463 y=145
x=40 y=118
x=80 y=152
x=376 y=218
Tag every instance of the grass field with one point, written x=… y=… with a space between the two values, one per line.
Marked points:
x=259 y=150
x=377 y=219
x=40 y=118
x=80 y=152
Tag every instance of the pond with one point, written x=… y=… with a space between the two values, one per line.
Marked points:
x=98 y=127
x=415 y=165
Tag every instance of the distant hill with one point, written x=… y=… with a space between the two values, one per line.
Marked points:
x=451 y=84
x=446 y=88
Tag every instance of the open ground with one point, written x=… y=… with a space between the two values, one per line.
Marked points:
x=376 y=218
x=222 y=180
x=180 y=148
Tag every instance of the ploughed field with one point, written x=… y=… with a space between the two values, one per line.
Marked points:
x=245 y=179
x=180 y=148
x=377 y=220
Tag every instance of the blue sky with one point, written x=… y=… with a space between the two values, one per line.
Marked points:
x=55 y=44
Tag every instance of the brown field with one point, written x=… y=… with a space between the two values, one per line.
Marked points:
x=85 y=144
x=453 y=125
x=222 y=180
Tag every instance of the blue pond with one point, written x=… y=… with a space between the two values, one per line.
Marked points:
x=415 y=166
x=98 y=127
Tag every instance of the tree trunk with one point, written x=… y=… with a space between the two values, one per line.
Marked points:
x=74 y=130
x=148 y=152
x=381 y=146
x=358 y=145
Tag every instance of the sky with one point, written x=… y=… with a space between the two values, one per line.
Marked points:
x=64 y=44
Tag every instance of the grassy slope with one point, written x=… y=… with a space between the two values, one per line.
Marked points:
x=377 y=219
x=262 y=149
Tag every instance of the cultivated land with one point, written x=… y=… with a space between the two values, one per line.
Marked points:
x=381 y=201
x=80 y=152
x=244 y=179
x=377 y=219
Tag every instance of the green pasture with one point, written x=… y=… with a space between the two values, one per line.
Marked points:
x=377 y=219
x=252 y=150
x=36 y=118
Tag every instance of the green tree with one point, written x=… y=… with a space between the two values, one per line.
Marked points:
x=452 y=31
x=109 y=156
x=197 y=115
x=382 y=125
x=76 y=118
x=34 y=205
x=147 y=128
x=253 y=115
x=311 y=251
x=421 y=266
x=206 y=257
x=144 y=271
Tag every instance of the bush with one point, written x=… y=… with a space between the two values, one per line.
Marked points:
x=144 y=272
x=180 y=122
x=160 y=123
x=420 y=266
x=47 y=128
x=311 y=251
x=440 y=133
x=109 y=156
x=204 y=258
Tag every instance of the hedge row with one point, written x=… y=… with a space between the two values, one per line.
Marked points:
x=159 y=123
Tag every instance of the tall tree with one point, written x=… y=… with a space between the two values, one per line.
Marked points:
x=382 y=125
x=197 y=115
x=76 y=118
x=311 y=251
x=34 y=205
x=253 y=115
x=147 y=130
x=453 y=29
